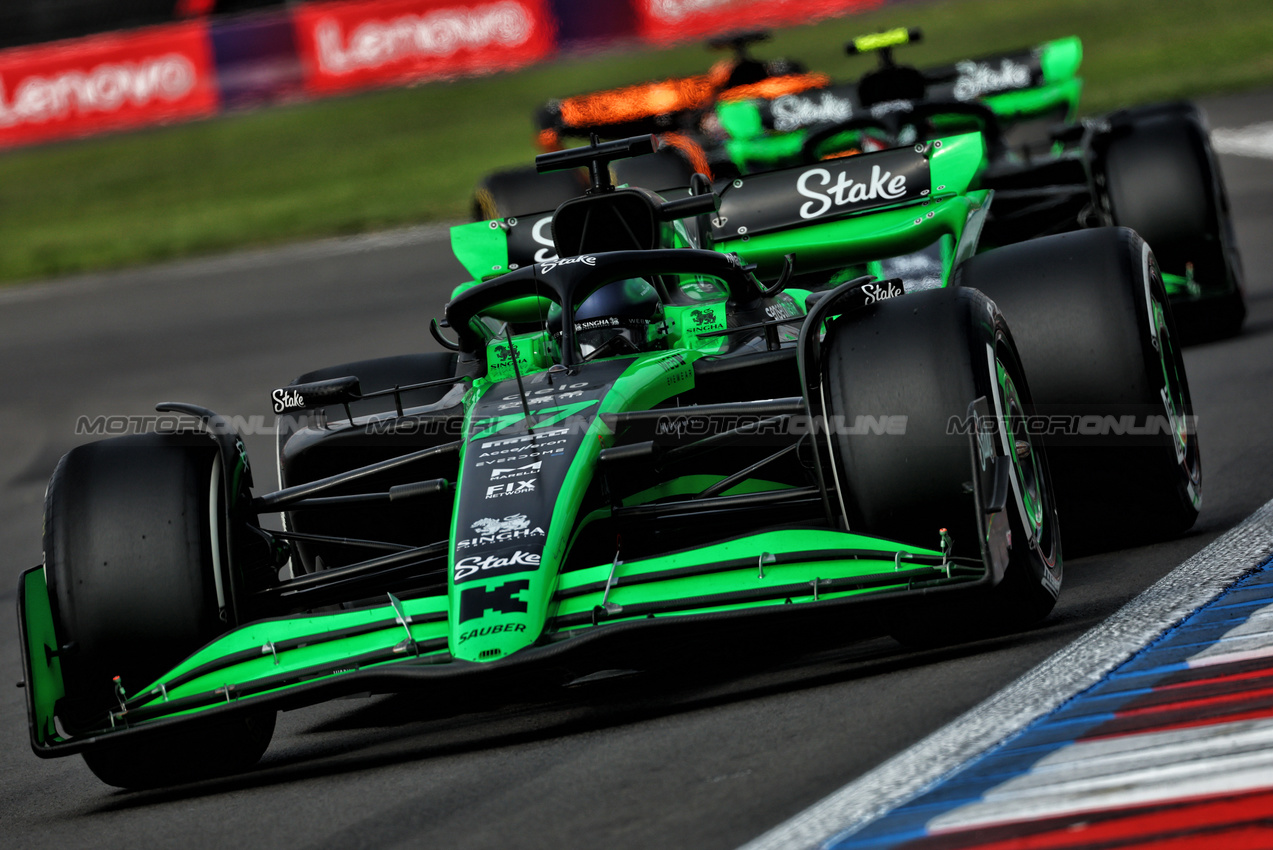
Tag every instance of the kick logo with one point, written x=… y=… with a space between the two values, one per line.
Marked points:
x=476 y=601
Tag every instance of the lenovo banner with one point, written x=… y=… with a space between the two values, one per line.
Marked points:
x=89 y=85
x=354 y=45
x=664 y=21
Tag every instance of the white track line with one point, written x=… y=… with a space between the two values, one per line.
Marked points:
x=1255 y=140
x=1071 y=670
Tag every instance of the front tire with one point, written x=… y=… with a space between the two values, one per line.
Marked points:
x=131 y=561
x=928 y=356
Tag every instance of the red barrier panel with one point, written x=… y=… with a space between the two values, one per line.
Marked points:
x=90 y=85
x=354 y=45
x=665 y=21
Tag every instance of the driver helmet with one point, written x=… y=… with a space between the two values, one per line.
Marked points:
x=622 y=317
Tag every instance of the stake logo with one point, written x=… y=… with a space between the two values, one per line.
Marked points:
x=981 y=78
x=881 y=291
x=881 y=186
x=793 y=111
x=542 y=234
x=587 y=261
x=285 y=400
x=493 y=565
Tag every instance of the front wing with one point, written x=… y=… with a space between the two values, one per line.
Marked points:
x=298 y=660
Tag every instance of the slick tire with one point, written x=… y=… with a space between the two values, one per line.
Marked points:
x=1161 y=179
x=927 y=356
x=129 y=554
x=1096 y=336
x=522 y=191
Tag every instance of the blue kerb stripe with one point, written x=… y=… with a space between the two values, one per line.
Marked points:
x=1067 y=722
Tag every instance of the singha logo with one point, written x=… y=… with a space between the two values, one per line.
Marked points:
x=491 y=525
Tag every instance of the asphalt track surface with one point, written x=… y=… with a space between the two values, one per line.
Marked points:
x=682 y=759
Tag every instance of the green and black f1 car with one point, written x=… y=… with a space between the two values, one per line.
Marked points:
x=1150 y=168
x=792 y=402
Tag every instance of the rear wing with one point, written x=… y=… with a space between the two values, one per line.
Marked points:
x=855 y=209
x=1038 y=82
x=864 y=207
x=1030 y=83
x=671 y=105
x=627 y=111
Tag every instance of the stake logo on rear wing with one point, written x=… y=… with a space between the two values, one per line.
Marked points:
x=795 y=196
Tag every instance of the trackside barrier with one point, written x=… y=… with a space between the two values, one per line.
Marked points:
x=184 y=71
x=385 y=42
x=92 y=85
x=668 y=21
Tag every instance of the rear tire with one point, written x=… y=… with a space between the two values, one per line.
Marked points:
x=129 y=555
x=1096 y=336
x=1163 y=181
x=927 y=356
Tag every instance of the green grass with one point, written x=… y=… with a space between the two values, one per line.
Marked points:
x=397 y=157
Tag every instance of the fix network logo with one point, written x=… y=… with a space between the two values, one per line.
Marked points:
x=512 y=488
